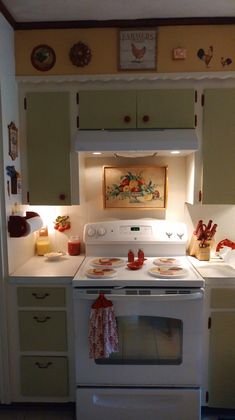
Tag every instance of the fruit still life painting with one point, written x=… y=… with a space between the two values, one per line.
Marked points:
x=135 y=187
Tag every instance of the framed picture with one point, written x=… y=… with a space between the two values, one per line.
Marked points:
x=137 y=49
x=13 y=140
x=43 y=57
x=135 y=187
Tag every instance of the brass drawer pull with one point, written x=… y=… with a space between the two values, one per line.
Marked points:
x=40 y=295
x=43 y=365
x=42 y=318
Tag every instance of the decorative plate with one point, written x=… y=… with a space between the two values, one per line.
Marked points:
x=166 y=261
x=43 y=57
x=100 y=273
x=167 y=271
x=80 y=54
x=108 y=262
x=54 y=256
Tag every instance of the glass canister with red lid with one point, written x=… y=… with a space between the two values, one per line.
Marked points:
x=74 y=245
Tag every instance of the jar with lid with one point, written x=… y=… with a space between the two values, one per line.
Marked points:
x=74 y=245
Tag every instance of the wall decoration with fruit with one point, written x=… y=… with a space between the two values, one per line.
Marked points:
x=62 y=223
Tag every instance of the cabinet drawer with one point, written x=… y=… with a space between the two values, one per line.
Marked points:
x=44 y=376
x=223 y=298
x=42 y=330
x=41 y=296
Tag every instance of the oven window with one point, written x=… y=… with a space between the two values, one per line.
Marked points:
x=147 y=340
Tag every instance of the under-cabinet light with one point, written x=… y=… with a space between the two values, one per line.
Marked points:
x=175 y=152
x=96 y=153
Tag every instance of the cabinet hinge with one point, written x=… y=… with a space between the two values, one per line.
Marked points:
x=25 y=103
x=77 y=98
x=202 y=100
x=27 y=196
x=195 y=120
x=199 y=196
x=209 y=323
x=77 y=121
x=195 y=96
x=207 y=396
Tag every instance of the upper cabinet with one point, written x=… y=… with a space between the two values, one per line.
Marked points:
x=165 y=108
x=48 y=135
x=116 y=109
x=218 y=147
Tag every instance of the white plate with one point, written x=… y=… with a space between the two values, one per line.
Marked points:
x=107 y=262
x=100 y=273
x=54 y=256
x=168 y=271
x=166 y=261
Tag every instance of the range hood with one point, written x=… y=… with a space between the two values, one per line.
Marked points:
x=184 y=140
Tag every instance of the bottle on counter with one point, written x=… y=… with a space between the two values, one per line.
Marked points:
x=43 y=245
x=130 y=256
x=74 y=245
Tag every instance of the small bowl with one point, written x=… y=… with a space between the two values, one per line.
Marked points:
x=136 y=265
x=54 y=256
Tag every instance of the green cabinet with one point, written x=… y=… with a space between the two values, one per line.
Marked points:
x=222 y=345
x=218 y=147
x=165 y=108
x=129 y=109
x=48 y=147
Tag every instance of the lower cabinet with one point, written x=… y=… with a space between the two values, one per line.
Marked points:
x=221 y=382
x=44 y=376
x=41 y=344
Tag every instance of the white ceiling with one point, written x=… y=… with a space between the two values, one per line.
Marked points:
x=74 y=10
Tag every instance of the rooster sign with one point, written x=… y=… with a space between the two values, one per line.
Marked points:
x=137 y=49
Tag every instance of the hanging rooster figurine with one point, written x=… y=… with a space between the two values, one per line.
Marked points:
x=205 y=56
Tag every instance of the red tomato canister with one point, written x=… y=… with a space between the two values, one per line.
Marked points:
x=74 y=245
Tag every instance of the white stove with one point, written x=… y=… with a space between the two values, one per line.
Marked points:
x=156 y=372
x=157 y=238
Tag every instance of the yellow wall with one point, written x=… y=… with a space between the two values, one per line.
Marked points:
x=103 y=43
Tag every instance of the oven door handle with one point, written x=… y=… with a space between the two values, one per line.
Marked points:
x=158 y=297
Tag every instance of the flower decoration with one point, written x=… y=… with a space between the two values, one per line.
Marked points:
x=80 y=54
x=62 y=223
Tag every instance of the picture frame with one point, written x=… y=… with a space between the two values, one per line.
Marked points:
x=137 y=49
x=43 y=57
x=139 y=187
x=13 y=140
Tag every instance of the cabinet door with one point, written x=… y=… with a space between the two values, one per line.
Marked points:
x=44 y=376
x=222 y=360
x=219 y=147
x=165 y=108
x=48 y=147
x=113 y=109
x=43 y=330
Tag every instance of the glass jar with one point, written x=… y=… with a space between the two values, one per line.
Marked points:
x=43 y=245
x=74 y=246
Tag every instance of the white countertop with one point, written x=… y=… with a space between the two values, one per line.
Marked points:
x=41 y=269
x=215 y=271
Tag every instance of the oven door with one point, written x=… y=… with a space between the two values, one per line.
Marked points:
x=160 y=339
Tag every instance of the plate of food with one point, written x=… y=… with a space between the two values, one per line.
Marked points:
x=99 y=273
x=168 y=271
x=166 y=261
x=108 y=262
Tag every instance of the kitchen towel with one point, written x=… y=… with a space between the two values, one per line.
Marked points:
x=103 y=334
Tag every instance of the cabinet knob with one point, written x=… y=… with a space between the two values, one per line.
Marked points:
x=62 y=197
x=145 y=118
x=127 y=119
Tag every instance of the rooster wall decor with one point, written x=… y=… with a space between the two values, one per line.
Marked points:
x=206 y=56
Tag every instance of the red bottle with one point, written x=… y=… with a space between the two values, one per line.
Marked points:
x=141 y=254
x=130 y=256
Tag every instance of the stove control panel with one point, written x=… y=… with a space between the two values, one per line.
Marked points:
x=141 y=230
